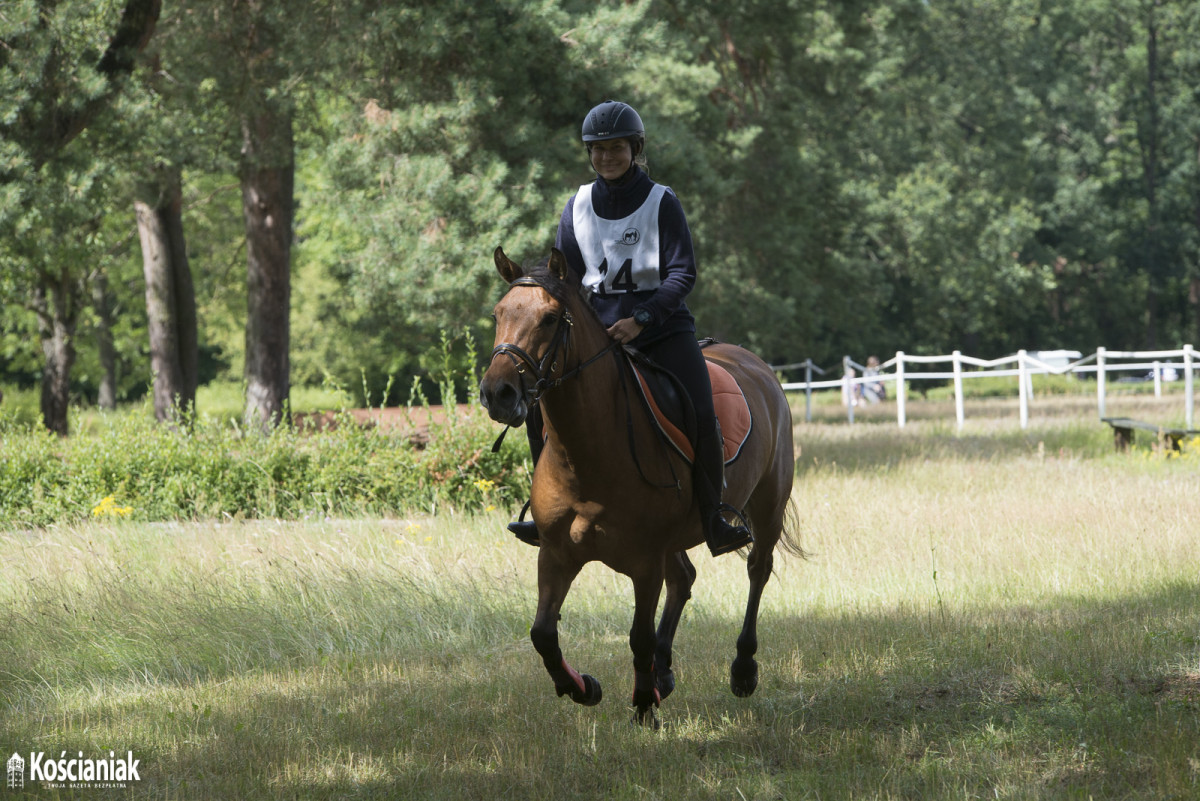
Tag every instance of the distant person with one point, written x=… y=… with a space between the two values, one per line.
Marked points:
x=872 y=391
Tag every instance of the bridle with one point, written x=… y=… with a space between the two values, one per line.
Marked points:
x=543 y=383
x=542 y=370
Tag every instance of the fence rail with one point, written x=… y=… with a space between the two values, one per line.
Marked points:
x=1158 y=365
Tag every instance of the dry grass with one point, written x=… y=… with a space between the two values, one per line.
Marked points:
x=998 y=614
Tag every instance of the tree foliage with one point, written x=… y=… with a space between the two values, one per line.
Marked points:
x=859 y=176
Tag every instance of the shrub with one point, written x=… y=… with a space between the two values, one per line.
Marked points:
x=212 y=468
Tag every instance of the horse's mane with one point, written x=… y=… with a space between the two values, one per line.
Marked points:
x=558 y=288
x=547 y=280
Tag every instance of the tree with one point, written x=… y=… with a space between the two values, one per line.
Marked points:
x=170 y=297
x=53 y=92
x=458 y=132
x=253 y=60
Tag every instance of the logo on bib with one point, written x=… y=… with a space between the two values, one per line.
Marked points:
x=631 y=236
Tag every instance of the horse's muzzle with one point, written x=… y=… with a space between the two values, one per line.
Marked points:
x=504 y=402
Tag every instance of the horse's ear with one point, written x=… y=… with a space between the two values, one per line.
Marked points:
x=509 y=270
x=558 y=263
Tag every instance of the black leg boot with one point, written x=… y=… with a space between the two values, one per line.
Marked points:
x=526 y=530
x=708 y=479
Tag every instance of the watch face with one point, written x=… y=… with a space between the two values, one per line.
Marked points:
x=642 y=317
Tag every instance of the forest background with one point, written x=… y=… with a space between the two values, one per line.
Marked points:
x=303 y=193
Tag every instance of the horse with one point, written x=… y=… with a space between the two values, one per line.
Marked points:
x=607 y=489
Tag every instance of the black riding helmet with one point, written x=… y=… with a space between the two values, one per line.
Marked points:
x=614 y=120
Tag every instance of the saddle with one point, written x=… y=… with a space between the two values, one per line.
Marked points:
x=671 y=409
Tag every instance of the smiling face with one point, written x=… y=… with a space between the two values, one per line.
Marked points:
x=611 y=158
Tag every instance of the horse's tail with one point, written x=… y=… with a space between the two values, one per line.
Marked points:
x=791 y=525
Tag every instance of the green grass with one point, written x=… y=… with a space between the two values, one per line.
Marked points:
x=996 y=614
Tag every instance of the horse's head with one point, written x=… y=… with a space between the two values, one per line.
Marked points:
x=533 y=328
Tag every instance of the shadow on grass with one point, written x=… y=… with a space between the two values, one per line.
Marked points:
x=1076 y=698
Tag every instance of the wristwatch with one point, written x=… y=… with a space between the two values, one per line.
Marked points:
x=643 y=317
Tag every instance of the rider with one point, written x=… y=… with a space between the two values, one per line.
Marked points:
x=628 y=239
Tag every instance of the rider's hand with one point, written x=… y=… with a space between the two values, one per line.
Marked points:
x=625 y=330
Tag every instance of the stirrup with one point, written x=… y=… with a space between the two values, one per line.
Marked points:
x=723 y=538
x=526 y=530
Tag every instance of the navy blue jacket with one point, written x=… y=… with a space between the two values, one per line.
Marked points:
x=666 y=304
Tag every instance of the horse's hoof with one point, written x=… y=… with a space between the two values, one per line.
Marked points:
x=743 y=677
x=665 y=682
x=591 y=694
x=646 y=718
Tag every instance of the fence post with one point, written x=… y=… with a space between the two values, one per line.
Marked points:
x=847 y=389
x=1189 y=384
x=1023 y=391
x=1158 y=379
x=1100 y=381
x=808 y=390
x=958 y=389
x=901 y=389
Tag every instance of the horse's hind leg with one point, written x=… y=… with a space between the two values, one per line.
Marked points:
x=680 y=573
x=554 y=580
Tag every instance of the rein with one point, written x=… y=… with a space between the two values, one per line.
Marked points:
x=543 y=383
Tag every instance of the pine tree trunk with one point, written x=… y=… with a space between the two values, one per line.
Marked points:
x=160 y=309
x=267 y=178
x=170 y=299
x=56 y=325
x=186 y=325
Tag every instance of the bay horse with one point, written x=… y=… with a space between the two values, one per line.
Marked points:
x=606 y=488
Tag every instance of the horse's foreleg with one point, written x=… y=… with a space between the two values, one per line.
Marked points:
x=743 y=674
x=680 y=575
x=554 y=580
x=643 y=642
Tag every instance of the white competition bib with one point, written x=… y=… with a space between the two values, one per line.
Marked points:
x=620 y=255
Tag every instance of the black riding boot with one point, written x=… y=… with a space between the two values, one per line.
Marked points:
x=526 y=530
x=708 y=479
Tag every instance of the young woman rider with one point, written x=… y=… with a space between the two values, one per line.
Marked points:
x=628 y=239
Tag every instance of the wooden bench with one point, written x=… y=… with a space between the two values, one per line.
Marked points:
x=1123 y=432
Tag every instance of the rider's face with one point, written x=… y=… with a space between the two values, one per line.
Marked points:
x=611 y=158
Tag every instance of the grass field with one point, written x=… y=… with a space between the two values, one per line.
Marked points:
x=998 y=614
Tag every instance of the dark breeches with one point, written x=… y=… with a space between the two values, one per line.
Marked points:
x=680 y=353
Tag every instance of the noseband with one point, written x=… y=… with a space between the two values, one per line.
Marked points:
x=523 y=361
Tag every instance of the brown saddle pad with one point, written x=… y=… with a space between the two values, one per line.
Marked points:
x=732 y=411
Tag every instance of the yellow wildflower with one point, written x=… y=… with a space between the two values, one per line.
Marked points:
x=108 y=508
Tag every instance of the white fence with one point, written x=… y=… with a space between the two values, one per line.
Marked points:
x=1158 y=365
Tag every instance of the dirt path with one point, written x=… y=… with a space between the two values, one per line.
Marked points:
x=413 y=420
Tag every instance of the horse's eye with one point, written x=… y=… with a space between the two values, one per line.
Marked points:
x=548 y=320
